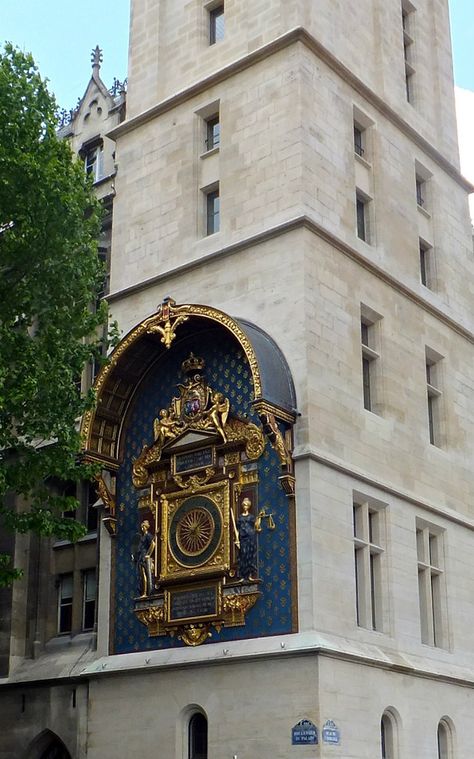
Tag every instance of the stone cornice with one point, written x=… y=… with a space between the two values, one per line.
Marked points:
x=285 y=227
x=298 y=34
x=308 y=453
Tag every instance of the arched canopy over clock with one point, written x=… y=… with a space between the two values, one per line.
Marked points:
x=140 y=350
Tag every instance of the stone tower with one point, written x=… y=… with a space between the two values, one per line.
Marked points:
x=285 y=428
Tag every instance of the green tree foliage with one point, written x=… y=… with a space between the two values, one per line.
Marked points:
x=50 y=274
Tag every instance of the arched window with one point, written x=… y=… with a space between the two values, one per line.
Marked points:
x=445 y=740
x=47 y=745
x=197 y=737
x=388 y=736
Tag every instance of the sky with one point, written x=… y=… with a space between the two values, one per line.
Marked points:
x=61 y=36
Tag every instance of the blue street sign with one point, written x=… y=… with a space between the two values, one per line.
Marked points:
x=304 y=733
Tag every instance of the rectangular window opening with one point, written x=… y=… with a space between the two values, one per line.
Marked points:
x=65 y=596
x=212 y=212
x=89 y=595
x=430 y=586
x=213 y=132
x=216 y=24
x=367 y=565
x=370 y=355
x=361 y=213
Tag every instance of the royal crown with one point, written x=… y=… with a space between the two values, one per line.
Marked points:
x=193 y=364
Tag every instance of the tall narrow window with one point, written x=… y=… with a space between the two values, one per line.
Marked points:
x=369 y=359
x=367 y=529
x=429 y=545
x=65 y=595
x=387 y=737
x=213 y=209
x=197 y=737
x=89 y=595
x=216 y=24
x=362 y=207
x=213 y=132
x=420 y=191
x=444 y=738
x=94 y=162
x=433 y=396
x=423 y=188
x=359 y=139
x=408 y=48
x=91 y=509
x=426 y=264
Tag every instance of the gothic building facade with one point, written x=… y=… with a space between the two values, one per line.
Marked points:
x=286 y=519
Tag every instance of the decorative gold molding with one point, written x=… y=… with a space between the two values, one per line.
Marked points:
x=236 y=606
x=153 y=618
x=167 y=311
x=194 y=635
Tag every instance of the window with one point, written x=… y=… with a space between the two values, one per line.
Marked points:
x=213 y=132
x=65 y=603
x=216 y=24
x=197 y=737
x=445 y=740
x=212 y=212
x=434 y=394
x=426 y=264
x=388 y=736
x=422 y=187
x=429 y=547
x=362 y=216
x=408 y=48
x=367 y=530
x=359 y=140
x=94 y=162
x=369 y=356
x=89 y=595
x=70 y=491
x=420 y=191
x=91 y=512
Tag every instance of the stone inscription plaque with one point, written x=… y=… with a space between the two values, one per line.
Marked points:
x=192 y=604
x=188 y=462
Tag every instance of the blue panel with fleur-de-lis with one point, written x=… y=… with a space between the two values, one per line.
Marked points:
x=227 y=371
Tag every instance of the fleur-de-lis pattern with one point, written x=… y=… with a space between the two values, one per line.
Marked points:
x=226 y=371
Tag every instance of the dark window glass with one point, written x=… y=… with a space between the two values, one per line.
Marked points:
x=431 y=402
x=423 y=266
x=366 y=383
x=91 y=509
x=65 y=604
x=409 y=88
x=372 y=560
x=216 y=28
x=90 y=161
x=361 y=231
x=197 y=737
x=213 y=212
x=213 y=133
x=357 y=587
x=364 y=333
x=358 y=146
x=89 y=599
x=70 y=491
x=383 y=738
x=420 y=192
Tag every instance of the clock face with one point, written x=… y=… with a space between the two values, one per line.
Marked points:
x=195 y=531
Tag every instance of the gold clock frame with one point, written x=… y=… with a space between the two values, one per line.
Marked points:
x=219 y=562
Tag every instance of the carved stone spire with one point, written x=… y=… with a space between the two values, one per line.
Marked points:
x=96 y=58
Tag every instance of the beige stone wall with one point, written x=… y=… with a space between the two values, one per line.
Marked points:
x=171 y=51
